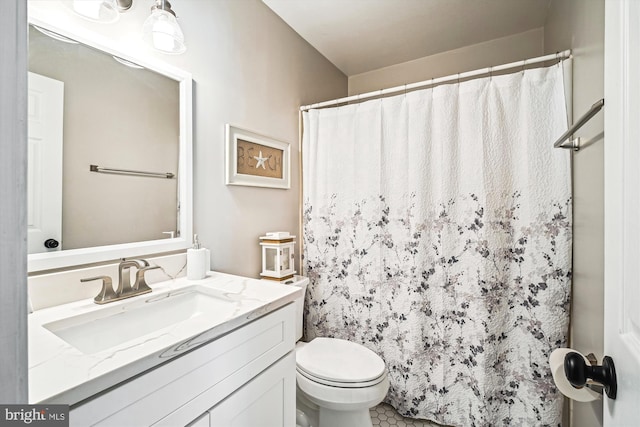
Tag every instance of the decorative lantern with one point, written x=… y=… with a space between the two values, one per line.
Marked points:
x=277 y=255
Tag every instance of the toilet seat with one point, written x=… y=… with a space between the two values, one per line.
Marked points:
x=341 y=384
x=339 y=363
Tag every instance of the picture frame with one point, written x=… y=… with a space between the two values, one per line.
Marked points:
x=256 y=160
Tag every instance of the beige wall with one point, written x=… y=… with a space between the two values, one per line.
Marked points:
x=253 y=71
x=528 y=44
x=579 y=25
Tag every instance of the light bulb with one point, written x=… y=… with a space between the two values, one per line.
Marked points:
x=162 y=33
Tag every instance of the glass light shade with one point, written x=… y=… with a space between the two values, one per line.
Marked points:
x=163 y=32
x=103 y=11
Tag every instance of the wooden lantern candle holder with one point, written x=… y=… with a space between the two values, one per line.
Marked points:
x=278 y=252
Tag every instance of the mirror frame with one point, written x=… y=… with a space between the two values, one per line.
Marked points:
x=77 y=257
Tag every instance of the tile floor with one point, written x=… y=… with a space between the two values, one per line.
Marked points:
x=384 y=415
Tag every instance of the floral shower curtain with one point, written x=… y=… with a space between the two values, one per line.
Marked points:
x=437 y=232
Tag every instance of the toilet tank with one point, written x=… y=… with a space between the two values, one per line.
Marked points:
x=301 y=282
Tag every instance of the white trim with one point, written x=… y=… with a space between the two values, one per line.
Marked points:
x=440 y=80
x=13 y=192
x=622 y=208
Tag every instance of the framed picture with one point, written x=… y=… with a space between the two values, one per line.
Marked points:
x=256 y=160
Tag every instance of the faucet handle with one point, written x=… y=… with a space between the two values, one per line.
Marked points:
x=134 y=262
x=106 y=293
x=141 y=285
x=142 y=262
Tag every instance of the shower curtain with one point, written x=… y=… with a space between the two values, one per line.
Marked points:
x=437 y=232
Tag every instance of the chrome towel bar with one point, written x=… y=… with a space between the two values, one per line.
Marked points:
x=96 y=168
x=577 y=125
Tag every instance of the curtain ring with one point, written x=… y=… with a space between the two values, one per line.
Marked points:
x=524 y=65
x=405 y=90
x=490 y=73
x=458 y=77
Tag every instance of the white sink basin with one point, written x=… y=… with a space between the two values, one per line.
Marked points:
x=109 y=327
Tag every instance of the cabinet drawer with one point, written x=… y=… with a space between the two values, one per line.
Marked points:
x=187 y=386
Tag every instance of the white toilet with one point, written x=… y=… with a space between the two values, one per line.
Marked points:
x=337 y=380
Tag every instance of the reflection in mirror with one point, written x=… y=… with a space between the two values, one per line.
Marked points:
x=89 y=107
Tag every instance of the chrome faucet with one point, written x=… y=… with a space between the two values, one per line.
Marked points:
x=125 y=289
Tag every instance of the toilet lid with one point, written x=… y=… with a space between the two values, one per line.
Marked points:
x=339 y=360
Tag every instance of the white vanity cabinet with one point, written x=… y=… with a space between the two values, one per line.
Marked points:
x=243 y=378
x=267 y=400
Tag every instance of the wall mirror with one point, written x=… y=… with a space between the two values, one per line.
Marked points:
x=109 y=152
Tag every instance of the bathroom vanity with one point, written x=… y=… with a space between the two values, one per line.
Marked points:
x=217 y=351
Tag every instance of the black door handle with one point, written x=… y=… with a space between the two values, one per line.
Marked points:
x=577 y=372
x=51 y=243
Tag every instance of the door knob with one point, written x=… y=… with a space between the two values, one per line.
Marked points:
x=51 y=243
x=577 y=372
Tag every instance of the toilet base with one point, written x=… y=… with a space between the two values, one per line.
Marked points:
x=329 y=417
x=310 y=410
x=315 y=416
x=312 y=416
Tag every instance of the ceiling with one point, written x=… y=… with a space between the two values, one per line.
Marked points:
x=363 y=35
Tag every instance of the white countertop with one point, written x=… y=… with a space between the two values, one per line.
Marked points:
x=60 y=373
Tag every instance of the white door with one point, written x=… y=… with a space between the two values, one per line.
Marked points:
x=44 y=183
x=622 y=208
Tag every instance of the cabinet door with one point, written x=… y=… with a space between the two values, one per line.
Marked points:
x=269 y=400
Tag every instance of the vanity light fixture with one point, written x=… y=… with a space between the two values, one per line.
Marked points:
x=161 y=29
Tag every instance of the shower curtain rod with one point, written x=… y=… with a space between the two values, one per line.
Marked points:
x=439 y=80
